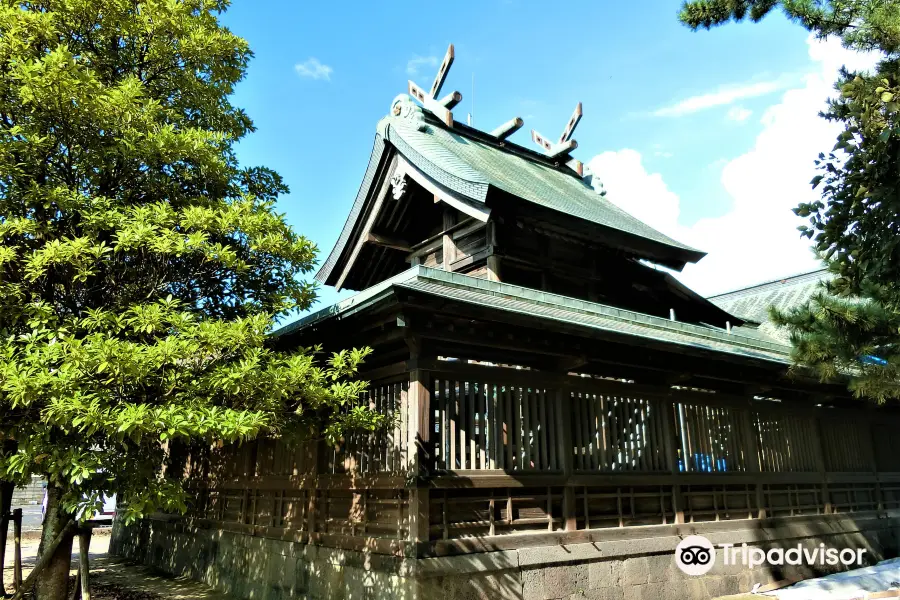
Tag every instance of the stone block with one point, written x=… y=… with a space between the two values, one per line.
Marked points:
x=721 y=585
x=532 y=584
x=694 y=589
x=605 y=573
x=661 y=567
x=505 y=585
x=637 y=571
x=326 y=581
x=564 y=580
x=601 y=593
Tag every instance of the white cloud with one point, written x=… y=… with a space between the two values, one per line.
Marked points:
x=738 y=113
x=416 y=62
x=721 y=97
x=757 y=239
x=313 y=69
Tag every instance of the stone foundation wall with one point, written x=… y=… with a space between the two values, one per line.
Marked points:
x=33 y=493
x=626 y=569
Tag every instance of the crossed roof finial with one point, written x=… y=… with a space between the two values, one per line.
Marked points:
x=566 y=144
x=441 y=108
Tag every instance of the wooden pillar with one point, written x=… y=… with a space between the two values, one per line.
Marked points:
x=819 y=452
x=312 y=470
x=493 y=260
x=669 y=429
x=17 y=549
x=493 y=267
x=420 y=456
x=564 y=435
x=873 y=460
x=84 y=543
x=449 y=249
x=753 y=463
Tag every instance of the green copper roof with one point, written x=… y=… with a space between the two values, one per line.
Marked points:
x=552 y=307
x=478 y=165
x=753 y=303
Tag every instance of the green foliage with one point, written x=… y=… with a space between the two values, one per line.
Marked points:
x=853 y=326
x=861 y=24
x=140 y=265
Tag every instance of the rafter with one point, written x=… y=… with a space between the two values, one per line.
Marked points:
x=398 y=166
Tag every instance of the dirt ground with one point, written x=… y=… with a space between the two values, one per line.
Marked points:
x=112 y=579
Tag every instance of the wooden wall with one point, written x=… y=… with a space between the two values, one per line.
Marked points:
x=485 y=458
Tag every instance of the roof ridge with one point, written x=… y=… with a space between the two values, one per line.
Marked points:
x=504 y=145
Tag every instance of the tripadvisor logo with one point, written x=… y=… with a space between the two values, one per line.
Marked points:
x=695 y=555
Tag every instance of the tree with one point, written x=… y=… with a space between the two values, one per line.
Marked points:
x=852 y=326
x=141 y=265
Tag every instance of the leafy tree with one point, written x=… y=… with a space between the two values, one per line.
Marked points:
x=140 y=266
x=852 y=327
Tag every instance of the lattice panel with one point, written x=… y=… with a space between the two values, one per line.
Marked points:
x=365 y=513
x=603 y=507
x=381 y=451
x=617 y=434
x=494 y=426
x=788 y=500
x=846 y=445
x=285 y=509
x=886 y=441
x=480 y=512
x=710 y=439
x=853 y=497
x=890 y=495
x=785 y=443
x=719 y=502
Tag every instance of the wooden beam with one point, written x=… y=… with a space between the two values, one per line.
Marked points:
x=442 y=72
x=577 y=166
x=550 y=149
x=460 y=203
x=508 y=128
x=388 y=242
x=567 y=364
x=463 y=227
x=571 y=125
x=430 y=104
x=562 y=149
x=451 y=100
x=449 y=246
x=396 y=166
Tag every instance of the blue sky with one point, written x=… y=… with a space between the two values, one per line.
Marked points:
x=683 y=125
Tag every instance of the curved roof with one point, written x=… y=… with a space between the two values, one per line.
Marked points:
x=753 y=303
x=513 y=169
x=472 y=163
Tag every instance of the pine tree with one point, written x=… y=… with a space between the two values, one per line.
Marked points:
x=852 y=327
x=141 y=266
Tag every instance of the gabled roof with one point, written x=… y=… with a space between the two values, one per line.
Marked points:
x=473 y=165
x=470 y=164
x=507 y=298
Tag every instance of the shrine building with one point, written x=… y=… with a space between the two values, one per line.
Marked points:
x=562 y=411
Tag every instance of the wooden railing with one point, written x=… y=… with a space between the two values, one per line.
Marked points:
x=478 y=453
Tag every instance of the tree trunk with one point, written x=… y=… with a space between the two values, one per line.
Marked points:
x=53 y=581
x=6 y=492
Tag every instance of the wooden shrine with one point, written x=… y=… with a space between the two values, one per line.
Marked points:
x=547 y=388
